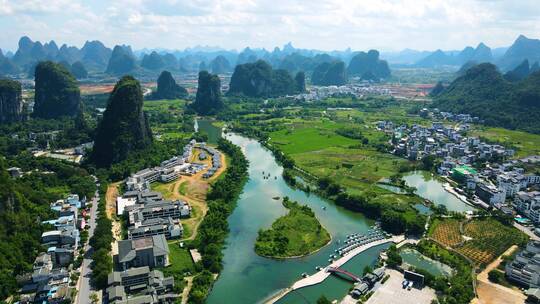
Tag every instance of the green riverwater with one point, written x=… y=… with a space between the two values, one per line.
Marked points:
x=416 y=259
x=206 y=127
x=249 y=278
x=430 y=188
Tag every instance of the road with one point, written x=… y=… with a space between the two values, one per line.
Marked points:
x=491 y=293
x=83 y=286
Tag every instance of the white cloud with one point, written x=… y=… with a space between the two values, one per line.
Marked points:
x=324 y=24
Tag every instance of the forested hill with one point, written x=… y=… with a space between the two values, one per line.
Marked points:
x=24 y=203
x=482 y=91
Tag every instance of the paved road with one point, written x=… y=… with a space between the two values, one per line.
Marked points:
x=84 y=288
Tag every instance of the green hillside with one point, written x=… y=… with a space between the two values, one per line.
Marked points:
x=482 y=91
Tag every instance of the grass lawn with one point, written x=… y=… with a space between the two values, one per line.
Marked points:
x=183 y=188
x=59 y=190
x=307 y=137
x=525 y=143
x=295 y=234
x=179 y=258
x=180 y=263
x=165 y=189
x=356 y=164
x=317 y=148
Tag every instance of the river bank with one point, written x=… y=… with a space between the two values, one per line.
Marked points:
x=249 y=278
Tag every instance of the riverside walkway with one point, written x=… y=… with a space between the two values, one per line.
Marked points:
x=323 y=274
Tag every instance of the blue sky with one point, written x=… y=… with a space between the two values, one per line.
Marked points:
x=320 y=24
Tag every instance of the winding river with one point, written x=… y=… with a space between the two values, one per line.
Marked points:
x=249 y=278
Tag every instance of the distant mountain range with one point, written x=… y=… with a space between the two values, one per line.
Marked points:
x=96 y=57
x=506 y=59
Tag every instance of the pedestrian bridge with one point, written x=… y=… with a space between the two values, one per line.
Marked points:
x=343 y=272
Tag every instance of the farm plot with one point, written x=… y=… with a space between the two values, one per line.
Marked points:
x=482 y=241
x=490 y=239
x=446 y=232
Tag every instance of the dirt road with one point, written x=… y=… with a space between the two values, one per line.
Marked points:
x=491 y=293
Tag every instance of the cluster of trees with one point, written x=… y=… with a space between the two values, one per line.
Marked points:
x=72 y=133
x=24 y=203
x=101 y=243
x=459 y=287
x=294 y=234
x=395 y=218
x=221 y=200
x=394 y=259
x=138 y=160
x=354 y=133
x=482 y=91
x=258 y=79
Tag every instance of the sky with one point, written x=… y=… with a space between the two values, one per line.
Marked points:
x=387 y=25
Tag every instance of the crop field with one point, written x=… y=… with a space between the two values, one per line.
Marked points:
x=299 y=138
x=490 y=239
x=317 y=148
x=486 y=239
x=446 y=232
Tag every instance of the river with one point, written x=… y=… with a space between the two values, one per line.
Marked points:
x=249 y=278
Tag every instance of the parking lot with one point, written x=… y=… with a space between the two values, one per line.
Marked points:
x=392 y=292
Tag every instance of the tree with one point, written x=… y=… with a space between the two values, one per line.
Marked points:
x=394 y=259
x=323 y=300
x=367 y=270
x=495 y=276
x=94 y=299
x=428 y=162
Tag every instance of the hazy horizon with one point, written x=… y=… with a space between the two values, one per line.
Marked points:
x=387 y=25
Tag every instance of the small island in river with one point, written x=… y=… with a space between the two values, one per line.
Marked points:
x=295 y=234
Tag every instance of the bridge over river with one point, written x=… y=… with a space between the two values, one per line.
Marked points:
x=325 y=272
x=346 y=273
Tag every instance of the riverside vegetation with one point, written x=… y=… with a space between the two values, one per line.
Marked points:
x=295 y=234
x=221 y=200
